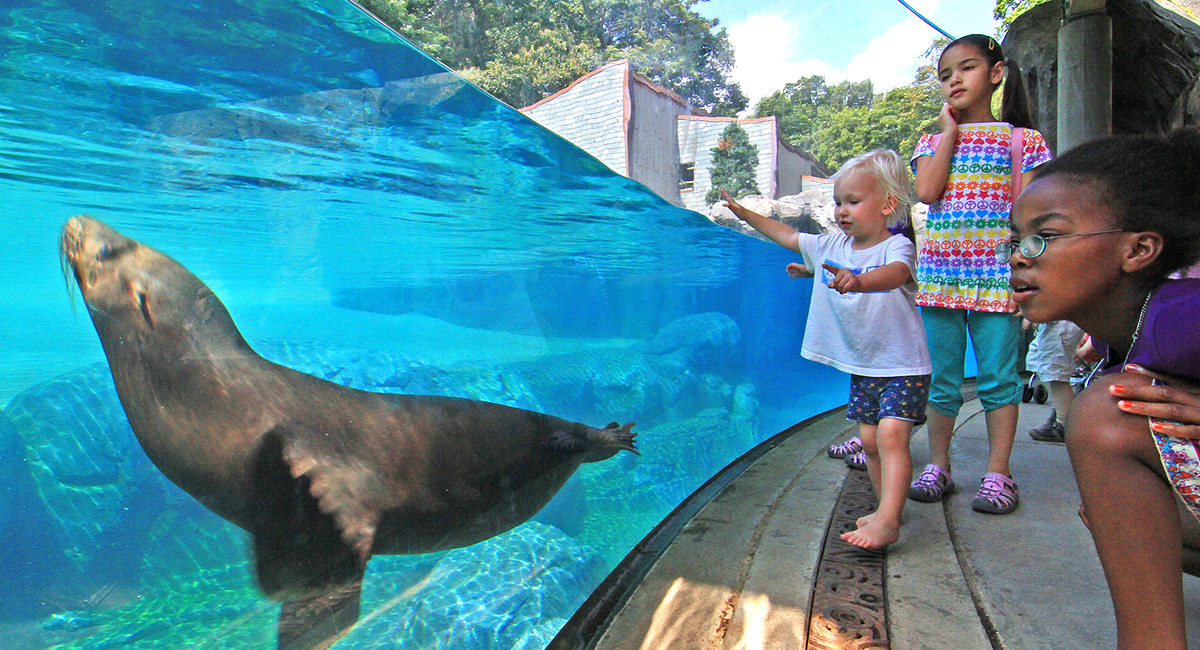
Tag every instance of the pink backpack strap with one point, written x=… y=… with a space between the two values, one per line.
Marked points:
x=1018 y=159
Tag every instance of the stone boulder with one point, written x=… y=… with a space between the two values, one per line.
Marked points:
x=90 y=474
x=34 y=563
x=810 y=211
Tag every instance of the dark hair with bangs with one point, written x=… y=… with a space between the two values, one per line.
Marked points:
x=1152 y=183
x=1014 y=102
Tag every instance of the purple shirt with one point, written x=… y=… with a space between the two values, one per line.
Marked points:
x=1169 y=342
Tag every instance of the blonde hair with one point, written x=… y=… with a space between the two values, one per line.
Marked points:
x=891 y=173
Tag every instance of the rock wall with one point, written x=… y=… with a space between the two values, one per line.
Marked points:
x=1156 y=64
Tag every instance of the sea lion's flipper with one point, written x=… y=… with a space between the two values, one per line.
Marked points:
x=343 y=490
x=601 y=443
x=617 y=436
x=300 y=550
x=316 y=623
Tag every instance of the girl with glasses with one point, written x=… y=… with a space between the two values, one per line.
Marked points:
x=1095 y=239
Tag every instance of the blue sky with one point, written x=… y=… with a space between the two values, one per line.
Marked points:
x=779 y=41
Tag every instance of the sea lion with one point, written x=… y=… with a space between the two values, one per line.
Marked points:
x=323 y=476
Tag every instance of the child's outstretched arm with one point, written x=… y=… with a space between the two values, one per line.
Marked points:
x=933 y=171
x=884 y=278
x=778 y=232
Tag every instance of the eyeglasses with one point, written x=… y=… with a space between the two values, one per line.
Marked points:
x=1034 y=245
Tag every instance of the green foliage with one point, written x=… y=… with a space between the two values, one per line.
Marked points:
x=734 y=163
x=837 y=122
x=1006 y=11
x=523 y=50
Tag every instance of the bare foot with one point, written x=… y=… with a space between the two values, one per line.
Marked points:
x=875 y=535
x=864 y=520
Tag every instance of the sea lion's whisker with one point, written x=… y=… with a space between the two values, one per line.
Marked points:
x=67 y=270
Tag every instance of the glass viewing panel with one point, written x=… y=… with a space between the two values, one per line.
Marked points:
x=370 y=218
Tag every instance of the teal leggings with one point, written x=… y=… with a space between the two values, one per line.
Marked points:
x=996 y=338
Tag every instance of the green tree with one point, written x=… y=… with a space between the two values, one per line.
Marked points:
x=837 y=122
x=734 y=163
x=1006 y=11
x=523 y=50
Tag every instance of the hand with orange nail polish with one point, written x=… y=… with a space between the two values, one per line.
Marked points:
x=1172 y=405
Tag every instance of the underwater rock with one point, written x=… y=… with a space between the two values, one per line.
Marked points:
x=86 y=467
x=73 y=620
x=568 y=510
x=679 y=456
x=598 y=384
x=34 y=562
x=12 y=466
x=361 y=369
x=189 y=547
x=707 y=341
x=512 y=591
x=18 y=490
x=745 y=410
x=689 y=451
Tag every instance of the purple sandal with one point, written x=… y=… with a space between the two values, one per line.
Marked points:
x=857 y=460
x=997 y=495
x=843 y=449
x=933 y=484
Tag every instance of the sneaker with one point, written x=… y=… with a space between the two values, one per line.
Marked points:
x=857 y=460
x=1051 y=431
x=997 y=495
x=843 y=449
x=933 y=484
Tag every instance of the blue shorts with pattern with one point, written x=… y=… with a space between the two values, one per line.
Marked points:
x=874 y=398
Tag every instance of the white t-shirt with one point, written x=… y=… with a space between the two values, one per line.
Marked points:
x=878 y=334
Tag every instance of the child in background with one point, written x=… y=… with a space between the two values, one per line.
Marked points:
x=1094 y=240
x=862 y=320
x=966 y=176
x=1051 y=358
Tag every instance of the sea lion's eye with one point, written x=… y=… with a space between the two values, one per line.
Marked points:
x=105 y=252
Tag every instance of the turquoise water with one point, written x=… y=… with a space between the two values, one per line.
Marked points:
x=370 y=218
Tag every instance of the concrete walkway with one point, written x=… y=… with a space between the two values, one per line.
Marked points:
x=751 y=569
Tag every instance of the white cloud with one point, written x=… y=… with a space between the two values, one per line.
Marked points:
x=891 y=60
x=764 y=54
x=763 y=51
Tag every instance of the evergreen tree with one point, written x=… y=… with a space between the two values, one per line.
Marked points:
x=734 y=163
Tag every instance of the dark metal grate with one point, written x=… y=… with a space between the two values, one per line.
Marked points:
x=849 y=607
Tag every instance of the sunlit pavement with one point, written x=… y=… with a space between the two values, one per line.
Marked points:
x=740 y=575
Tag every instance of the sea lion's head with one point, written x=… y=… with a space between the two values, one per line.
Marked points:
x=134 y=293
